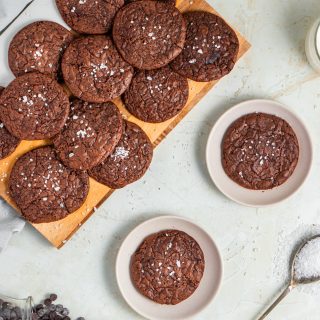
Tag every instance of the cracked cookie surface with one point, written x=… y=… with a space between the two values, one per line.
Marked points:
x=8 y=143
x=34 y=106
x=149 y=34
x=89 y=16
x=260 y=151
x=168 y=266
x=44 y=189
x=129 y=161
x=91 y=133
x=94 y=71
x=38 y=47
x=156 y=95
x=210 y=50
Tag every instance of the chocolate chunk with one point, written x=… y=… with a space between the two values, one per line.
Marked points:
x=47 y=302
x=90 y=135
x=52 y=307
x=211 y=48
x=88 y=16
x=38 y=47
x=38 y=307
x=52 y=311
x=65 y=312
x=8 y=143
x=260 y=151
x=44 y=189
x=34 y=106
x=129 y=161
x=94 y=71
x=156 y=95
x=53 y=297
x=149 y=34
x=167 y=267
x=41 y=312
x=59 y=308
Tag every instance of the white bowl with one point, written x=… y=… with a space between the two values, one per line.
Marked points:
x=204 y=294
x=258 y=198
x=313 y=45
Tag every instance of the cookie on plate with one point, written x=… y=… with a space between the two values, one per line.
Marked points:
x=211 y=48
x=149 y=34
x=156 y=95
x=128 y=162
x=167 y=267
x=34 y=106
x=260 y=151
x=44 y=189
x=94 y=71
x=38 y=47
x=90 y=134
x=8 y=143
x=89 y=16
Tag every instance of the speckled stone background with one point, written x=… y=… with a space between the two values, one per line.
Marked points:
x=82 y=273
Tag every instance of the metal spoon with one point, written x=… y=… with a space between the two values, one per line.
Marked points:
x=294 y=281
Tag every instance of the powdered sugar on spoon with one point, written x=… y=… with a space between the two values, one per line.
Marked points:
x=305 y=269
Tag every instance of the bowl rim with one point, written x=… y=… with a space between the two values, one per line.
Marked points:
x=239 y=106
x=317 y=40
x=219 y=261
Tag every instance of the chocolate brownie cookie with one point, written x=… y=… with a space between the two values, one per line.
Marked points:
x=211 y=48
x=149 y=34
x=34 y=106
x=90 y=135
x=8 y=143
x=260 y=151
x=94 y=71
x=129 y=161
x=38 y=47
x=88 y=16
x=167 y=267
x=44 y=189
x=156 y=95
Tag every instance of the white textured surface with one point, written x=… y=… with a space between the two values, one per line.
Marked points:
x=10 y=223
x=83 y=271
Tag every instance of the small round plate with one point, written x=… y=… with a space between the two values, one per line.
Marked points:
x=209 y=284
x=258 y=198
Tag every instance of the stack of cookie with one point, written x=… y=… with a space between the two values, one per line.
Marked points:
x=66 y=81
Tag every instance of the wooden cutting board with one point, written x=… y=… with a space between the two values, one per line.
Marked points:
x=59 y=232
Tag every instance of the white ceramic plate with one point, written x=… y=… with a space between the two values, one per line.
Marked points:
x=209 y=284
x=318 y=40
x=257 y=198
